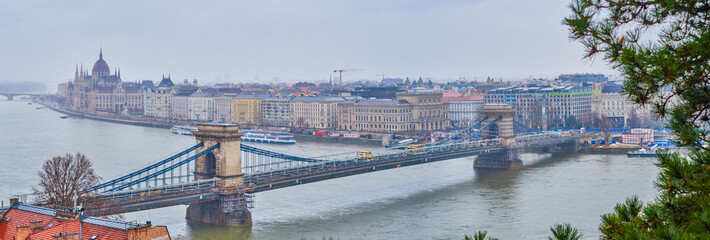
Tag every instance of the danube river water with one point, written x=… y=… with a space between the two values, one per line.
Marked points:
x=441 y=200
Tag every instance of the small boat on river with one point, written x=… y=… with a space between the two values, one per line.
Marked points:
x=183 y=129
x=263 y=136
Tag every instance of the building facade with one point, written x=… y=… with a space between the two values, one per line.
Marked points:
x=376 y=115
x=611 y=103
x=200 y=106
x=102 y=91
x=179 y=106
x=429 y=112
x=276 y=111
x=463 y=111
x=223 y=109
x=163 y=99
x=246 y=108
x=315 y=112
x=544 y=106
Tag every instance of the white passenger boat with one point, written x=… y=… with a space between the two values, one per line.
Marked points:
x=183 y=129
x=267 y=136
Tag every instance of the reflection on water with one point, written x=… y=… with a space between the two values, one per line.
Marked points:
x=440 y=200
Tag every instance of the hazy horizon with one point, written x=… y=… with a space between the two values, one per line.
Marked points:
x=289 y=41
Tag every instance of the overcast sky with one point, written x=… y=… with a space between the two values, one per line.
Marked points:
x=289 y=40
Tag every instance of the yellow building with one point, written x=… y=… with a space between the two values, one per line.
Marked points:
x=246 y=109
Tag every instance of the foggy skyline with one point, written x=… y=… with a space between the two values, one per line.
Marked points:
x=289 y=40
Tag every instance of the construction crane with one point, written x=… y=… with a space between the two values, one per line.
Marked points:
x=341 y=73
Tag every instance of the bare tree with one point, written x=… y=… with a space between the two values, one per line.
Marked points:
x=605 y=125
x=64 y=178
x=587 y=119
x=300 y=122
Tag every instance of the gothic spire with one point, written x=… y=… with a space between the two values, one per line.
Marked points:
x=101 y=53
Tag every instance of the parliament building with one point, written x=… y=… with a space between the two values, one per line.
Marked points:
x=102 y=92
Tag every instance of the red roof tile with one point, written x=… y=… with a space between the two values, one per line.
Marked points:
x=87 y=231
x=16 y=217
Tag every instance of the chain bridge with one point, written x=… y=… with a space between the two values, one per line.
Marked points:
x=218 y=176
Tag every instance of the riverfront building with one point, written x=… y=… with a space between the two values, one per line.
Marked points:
x=102 y=91
x=429 y=112
x=410 y=112
x=247 y=108
x=611 y=103
x=223 y=109
x=276 y=111
x=376 y=115
x=163 y=99
x=316 y=112
x=463 y=110
x=200 y=106
x=544 y=106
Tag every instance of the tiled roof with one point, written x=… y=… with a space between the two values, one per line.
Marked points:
x=35 y=209
x=21 y=214
x=109 y=223
x=88 y=230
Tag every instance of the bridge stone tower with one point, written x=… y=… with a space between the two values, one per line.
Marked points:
x=501 y=129
x=509 y=158
x=225 y=165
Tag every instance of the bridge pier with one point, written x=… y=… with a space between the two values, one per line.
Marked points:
x=508 y=159
x=224 y=164
x=211 y=213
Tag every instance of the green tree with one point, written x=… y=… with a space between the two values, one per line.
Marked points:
x=661 y=47
x=480 y=235
x=564 y=232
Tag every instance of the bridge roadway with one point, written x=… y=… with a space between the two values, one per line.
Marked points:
x=206 y=190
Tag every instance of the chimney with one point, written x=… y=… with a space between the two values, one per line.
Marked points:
x=35 y=225
x=13 y=200
x=23 y=231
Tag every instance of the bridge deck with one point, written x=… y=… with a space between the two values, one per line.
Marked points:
x=307 y=174
x=128 y=200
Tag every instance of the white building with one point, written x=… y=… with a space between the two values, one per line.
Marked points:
x=463 y=111
x=223 y=109
x=200 y=106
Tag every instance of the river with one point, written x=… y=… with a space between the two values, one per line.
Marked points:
x=441 y=200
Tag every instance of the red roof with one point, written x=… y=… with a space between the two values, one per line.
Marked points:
x=49 y=225
x=22 y=216
x=87 y=231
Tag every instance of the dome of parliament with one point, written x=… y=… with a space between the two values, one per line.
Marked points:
x=100 y=67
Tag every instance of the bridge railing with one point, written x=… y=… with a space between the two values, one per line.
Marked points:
x=537 y=137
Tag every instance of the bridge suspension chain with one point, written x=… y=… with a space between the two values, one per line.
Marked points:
x=157 y=172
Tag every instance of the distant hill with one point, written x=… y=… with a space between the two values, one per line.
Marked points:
x=30 y=87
